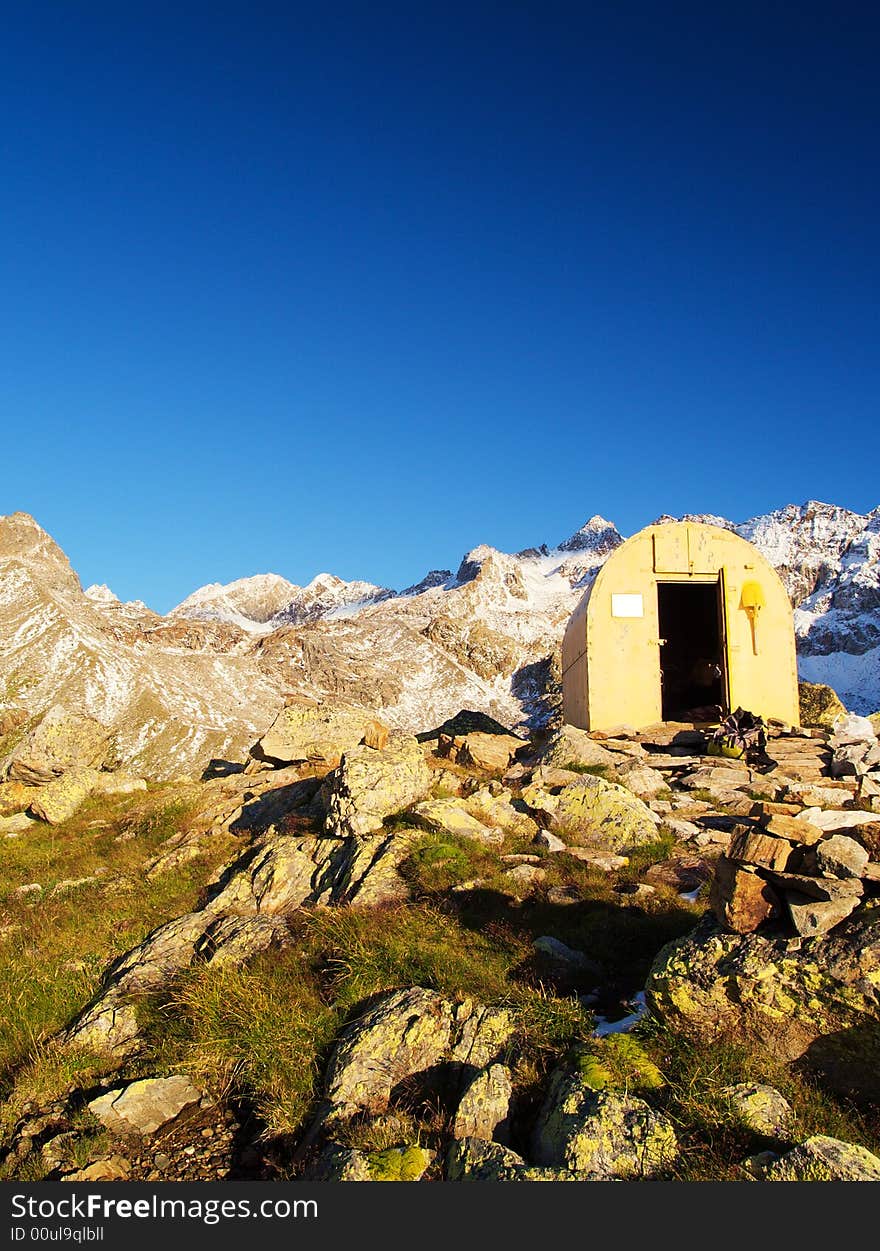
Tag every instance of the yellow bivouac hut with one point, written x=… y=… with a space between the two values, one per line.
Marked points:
x=683 y=620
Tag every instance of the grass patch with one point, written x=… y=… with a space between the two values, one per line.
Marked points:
x=255 y=1031
x=641 y=858
x=604 y=771
x=442 y=861
x=365 y=952
x=703 y=796
x=52 y=957
x=713 y=1138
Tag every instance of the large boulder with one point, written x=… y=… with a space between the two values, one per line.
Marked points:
x=820 y=705
x=449 y=816
x=571 y=746
x=484 y=1108
x=61 y=798
x=824 y=1159
x=15 y=797
x=814 y=997
x=371 y=785
x=62 y=741
x=405 y=1033
x=318 y=734
x=492 y=753
x=601 y=1133
x=594 y=813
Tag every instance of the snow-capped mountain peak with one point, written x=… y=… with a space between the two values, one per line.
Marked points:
x=596 y=535
x=101 y=594
x=250 y=603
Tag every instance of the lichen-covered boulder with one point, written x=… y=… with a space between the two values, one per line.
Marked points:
x=571 y=746
x=276 y=880
x=602 y=1133
x=761 y=1108
x=495 y=809
x=449 y=816
x=484 y=1108
x=818 y=997
x=371 y=785
x=61 y=798
x=14 y=797
x=824 y=1159
x=820 y=705
x=594 y=813
x=315 y=733
x=407 y=1032
x=405 y=1163
x=475 y=1159
x=364 y=872
x=62 y=741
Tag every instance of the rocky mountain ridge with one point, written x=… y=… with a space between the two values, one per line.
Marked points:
x=203 y=681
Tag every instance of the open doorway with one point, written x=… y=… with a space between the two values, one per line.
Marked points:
x=692 y=671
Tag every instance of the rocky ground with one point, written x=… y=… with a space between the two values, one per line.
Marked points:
x=360 y=954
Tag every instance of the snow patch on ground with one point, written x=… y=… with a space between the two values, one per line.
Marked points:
x=639 y=1007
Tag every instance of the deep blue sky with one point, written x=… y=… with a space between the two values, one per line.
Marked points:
x=356 y=286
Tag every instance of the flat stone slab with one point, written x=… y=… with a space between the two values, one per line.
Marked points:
x=145 y=1106
x=836 y=819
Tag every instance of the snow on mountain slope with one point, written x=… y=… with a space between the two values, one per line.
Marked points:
x=172 y=707
x=805 y=543
x=328 y=596
x=266 y=601
x=250 y=603
x=856 y=678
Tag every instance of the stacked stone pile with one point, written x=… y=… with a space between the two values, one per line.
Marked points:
x=787 y=869
x=856 y=755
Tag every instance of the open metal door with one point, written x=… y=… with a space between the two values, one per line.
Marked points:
x=722 y=637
